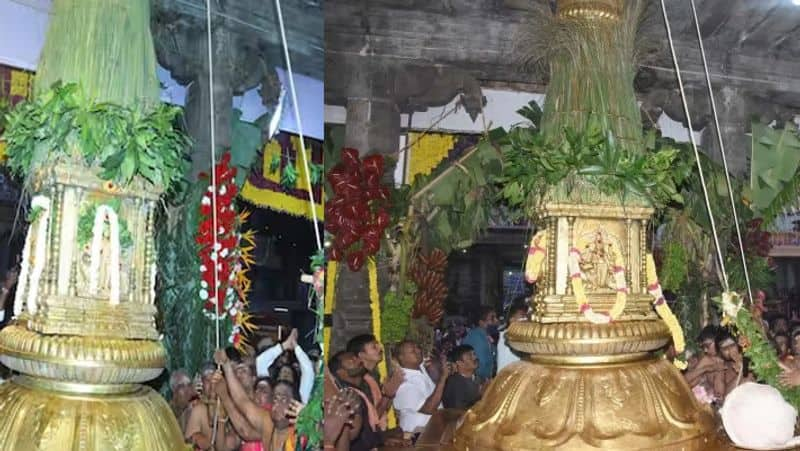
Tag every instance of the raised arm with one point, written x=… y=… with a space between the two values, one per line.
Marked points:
x=254 y=414
x=432 y=403
x=240 y=423
x=306 y=374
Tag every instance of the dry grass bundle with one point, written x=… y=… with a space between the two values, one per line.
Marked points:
x=106 y=47
x=591 y=67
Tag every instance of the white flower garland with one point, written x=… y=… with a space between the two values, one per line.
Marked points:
x=22 y=285
x=40 y=253
x=42 y=202
x=105 y=212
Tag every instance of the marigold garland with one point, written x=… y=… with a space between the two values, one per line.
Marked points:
x=536 y=255
x=224 y=291
x=330 y=303
x=375 y=305
x=664 y=312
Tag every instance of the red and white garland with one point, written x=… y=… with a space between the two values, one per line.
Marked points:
x=224 y=292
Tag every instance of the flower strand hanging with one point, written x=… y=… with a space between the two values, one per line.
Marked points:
x=665 y=313
x=224 y=292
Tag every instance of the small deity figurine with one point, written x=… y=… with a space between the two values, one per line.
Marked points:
x=597 y=263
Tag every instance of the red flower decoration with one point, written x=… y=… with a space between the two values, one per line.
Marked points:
x=357 y=215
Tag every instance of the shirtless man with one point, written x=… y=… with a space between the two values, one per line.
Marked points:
x=250 y=421
x=199 y=431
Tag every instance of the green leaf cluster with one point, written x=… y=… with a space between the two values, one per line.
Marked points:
x=583 y=166
x=453 y=204
x=86 y=224
x=64 y=124
x=674 y=266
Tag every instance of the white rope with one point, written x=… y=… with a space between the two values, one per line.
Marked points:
x=720 y=260
x=722 y=151
x=215 y=227
x=299 y=124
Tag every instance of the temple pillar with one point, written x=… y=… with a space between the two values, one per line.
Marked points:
x=375 y=93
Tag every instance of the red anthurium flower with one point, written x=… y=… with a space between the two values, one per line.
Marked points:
x=355 y=260
x=373 y=165
x=350 y=158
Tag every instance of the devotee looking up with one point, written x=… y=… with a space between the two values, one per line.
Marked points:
x=263 y=393
x=418 y=396
x=199 y=428
x=463 y=388
x=183 y=393
x=367 y=348
x=506 y=355
x=252 y=423
x=266 y=359
x=479 y=337
x=736 y=370
x=796 y=343
x=363 y=433
x=781 y=341
x=708 y=371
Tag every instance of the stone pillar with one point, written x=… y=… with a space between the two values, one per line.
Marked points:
x=373 y=125
x=733 y=110
x=375 y=93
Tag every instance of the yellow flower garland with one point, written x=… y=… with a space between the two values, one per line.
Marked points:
x=375 y=305
x=576 y=276
x=536 y=254
x=330 y=290
x=663 y=310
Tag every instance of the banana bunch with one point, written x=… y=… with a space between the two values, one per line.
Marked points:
x=427 y=272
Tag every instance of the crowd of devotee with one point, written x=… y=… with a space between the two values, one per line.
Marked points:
x=719 y=365
x=245 y=401
x=452 y=375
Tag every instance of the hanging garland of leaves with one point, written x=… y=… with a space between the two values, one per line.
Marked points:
x=63 y=124
x=289 y=173
x=762 y=355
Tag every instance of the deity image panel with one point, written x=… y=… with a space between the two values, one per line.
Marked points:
x=601 y=246
x=103 y=246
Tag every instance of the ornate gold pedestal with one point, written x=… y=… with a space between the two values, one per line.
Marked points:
x=84 y=336
x=39 y=417
x=589 y=386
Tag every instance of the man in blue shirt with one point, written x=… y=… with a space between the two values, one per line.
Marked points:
x=479 y=337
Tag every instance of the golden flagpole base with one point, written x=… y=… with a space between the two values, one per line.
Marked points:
x=38 y=418
x=82 y=393
x=635 y=404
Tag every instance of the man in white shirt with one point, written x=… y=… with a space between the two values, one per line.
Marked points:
x=506 y=355
x=265 y=360
x=418 y=396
